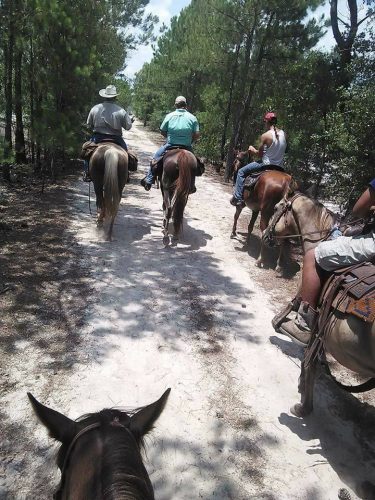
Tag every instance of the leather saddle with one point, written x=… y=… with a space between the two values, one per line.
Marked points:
x=157 y=166
x=350 y=290
x=253 y=178
x=89 y=147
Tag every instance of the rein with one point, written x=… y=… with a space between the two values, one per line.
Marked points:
x=67 y=456
x=286 y=208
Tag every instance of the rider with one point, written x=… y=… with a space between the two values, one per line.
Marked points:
x=271 y=151
x=107 y=120
x=327 y=256
x=180 y=128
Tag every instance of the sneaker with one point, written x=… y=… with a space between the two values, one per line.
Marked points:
x=236 y=202
x=86 y=177
x=145 y=184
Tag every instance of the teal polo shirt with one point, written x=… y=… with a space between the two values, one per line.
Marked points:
x=180 y=126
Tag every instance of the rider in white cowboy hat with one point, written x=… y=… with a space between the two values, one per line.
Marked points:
x=107 y=120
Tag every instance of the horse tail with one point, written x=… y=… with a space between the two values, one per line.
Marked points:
x=182 y=189
x=112 y=195
x=290 y=187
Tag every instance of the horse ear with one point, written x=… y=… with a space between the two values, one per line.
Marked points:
x=143 y=421
x=59 y=426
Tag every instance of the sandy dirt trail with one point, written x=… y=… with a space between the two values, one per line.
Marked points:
x=193 y=318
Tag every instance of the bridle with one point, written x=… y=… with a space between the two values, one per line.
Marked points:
x=286 y=208
x=82 y=432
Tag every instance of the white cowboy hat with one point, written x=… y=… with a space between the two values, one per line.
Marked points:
x=108 y=92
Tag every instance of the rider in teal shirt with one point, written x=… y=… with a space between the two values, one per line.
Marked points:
x=180 y=128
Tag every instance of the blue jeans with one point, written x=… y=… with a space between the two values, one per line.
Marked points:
x=97 y=138
x=159 y=153
x=242 y=174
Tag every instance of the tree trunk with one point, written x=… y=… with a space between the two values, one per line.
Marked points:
x=229 y=105
x=19 y=136
x=345 y=41
x=8 y=91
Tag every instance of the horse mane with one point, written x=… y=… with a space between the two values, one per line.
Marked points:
x=323 y=213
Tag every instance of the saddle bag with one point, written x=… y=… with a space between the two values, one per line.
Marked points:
x=132 y=162
x=87 y=150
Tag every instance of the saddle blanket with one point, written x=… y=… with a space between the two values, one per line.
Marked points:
x=355 y=291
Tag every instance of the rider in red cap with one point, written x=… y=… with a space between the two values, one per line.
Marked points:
x=271 y=151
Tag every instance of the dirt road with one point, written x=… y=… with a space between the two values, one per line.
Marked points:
x=194 y=318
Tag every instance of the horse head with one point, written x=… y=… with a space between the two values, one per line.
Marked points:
x=103 y=447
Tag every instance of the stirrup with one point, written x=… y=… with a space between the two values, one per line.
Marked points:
x=280 y=317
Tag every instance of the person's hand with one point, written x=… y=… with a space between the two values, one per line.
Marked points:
x=251 y=150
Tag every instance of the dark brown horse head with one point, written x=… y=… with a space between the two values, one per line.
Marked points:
x=240 y=160
x=104 y=448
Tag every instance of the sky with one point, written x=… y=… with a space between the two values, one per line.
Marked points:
x=166 y=9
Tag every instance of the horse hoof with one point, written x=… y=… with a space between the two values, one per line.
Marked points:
x=300 y=411
x=259 y=263
x=233 y=235
x=166 y=240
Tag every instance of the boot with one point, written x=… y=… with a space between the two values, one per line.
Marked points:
x=145 y=184
x=299 y=329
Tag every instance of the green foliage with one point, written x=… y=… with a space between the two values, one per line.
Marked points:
x=70 y=51
x=236 y=59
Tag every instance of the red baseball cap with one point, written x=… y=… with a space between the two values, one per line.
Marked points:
x=269 y=116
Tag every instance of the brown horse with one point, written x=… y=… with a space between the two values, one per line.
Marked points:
x=179 y=167
x=100 y=456
x=347 y=338
x=109 y=171
x=269 y=190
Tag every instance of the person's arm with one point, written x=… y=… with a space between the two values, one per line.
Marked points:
x=366 y=202
x=263 y=142
x=164 y=127
x=90 y=120
x=127 y=121
x=196 y=133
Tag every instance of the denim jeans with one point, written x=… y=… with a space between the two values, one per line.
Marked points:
x=242 y=174
x=97 y=138
x=159 y=153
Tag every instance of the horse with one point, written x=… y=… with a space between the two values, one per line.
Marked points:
x=179 y=167
x=350 y=340
x=100 y=455
x=269 y=190
x=109 y=172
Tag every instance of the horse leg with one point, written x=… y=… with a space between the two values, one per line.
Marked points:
x=254 y=216
x=264 y=220
x=236 y=215
x=284 y=255
x=306 y=388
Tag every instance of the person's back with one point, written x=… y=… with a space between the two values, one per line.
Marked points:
x=274 y=154
x=108 y=118
x=180 y=126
